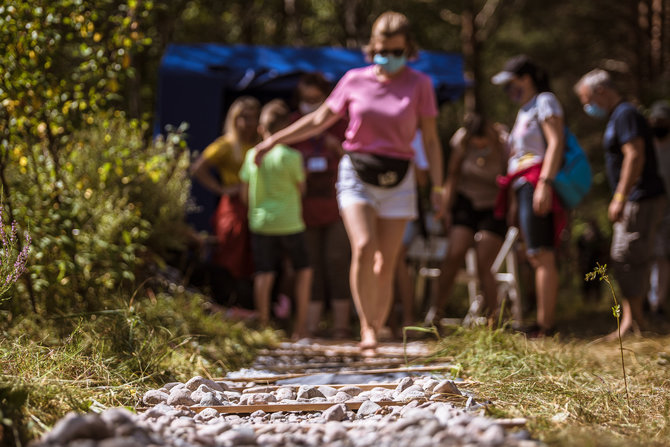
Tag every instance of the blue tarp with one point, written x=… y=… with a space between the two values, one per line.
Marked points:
x=197 y=83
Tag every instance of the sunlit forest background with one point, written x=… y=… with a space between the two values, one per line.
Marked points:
x=104 y=200
x=79 y=170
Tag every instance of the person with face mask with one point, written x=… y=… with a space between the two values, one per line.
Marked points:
x=527 y=196
x=638 y=198
x=659 y=121
x=327 y=243
x=386 y=103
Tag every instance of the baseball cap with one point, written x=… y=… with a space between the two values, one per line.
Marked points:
x=515 y=66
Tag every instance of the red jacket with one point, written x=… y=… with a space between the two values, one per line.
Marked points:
x=532 y=176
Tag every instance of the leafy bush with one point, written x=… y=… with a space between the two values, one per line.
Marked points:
x=73 y=170
x=113 y=204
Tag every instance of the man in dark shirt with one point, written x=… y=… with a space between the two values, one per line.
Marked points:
x=638 y=198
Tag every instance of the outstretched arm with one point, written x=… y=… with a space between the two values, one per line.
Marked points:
x=306 y=127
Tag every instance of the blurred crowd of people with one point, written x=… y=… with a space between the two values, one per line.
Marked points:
x=321 y=201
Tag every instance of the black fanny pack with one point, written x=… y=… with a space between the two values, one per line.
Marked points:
x=379 y=170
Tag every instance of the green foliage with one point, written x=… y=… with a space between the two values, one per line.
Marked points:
x=112 y=205
x=74 y=171
x=64 y=60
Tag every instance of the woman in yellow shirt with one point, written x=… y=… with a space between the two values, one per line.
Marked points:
x=225 y=156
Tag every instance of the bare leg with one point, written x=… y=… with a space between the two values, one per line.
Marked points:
x=303 y=289
x=460 y=239
x=314 y=311
x=341 y=317
x=374 y=249
x=404 y=288
x=546 y=286
x=625 y=324
x=389 y=239
x=360 y=222
x=488 y=245
x=262 y=289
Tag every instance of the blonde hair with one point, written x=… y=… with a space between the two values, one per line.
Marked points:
x=236 y=108
x=390 y=24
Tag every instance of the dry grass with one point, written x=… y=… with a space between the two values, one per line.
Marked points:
x=110 y=359
x=572 y=392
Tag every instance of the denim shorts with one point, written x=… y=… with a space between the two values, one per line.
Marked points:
x=537 y=231
x=269 y=250
x=398 y=202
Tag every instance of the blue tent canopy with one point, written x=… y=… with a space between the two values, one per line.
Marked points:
x=197 y=83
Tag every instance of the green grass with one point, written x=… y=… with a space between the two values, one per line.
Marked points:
x=106 y=359
x=572 y=393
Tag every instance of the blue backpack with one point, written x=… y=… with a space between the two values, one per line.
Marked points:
x=573 y=181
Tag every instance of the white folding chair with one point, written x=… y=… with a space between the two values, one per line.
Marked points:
x=434 y=250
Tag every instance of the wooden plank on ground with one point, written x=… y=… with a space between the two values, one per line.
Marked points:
x=511 y=422
x=305 y=426
x=330 y=365
x=342 y=352
x=274 y=408
x=337 y=386
x=334 y=348
x=362 y=386
x=272 y=379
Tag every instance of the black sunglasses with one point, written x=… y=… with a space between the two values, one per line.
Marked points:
x=397 y=52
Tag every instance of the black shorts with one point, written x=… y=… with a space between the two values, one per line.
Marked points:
x=464 y=214
x=268 y=251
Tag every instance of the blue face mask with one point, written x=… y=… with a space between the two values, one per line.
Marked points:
x=595 y=111
x=390 y=64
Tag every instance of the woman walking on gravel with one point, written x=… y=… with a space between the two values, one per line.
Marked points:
x=387 y=102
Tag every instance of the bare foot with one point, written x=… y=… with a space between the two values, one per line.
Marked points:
x=368 y=339
x=368 y=352
x=432 y=316
x=614 y=335
x=299 y=335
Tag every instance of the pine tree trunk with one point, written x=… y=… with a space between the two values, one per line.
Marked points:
x=470 y=57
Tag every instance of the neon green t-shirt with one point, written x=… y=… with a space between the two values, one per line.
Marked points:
x=275 y=200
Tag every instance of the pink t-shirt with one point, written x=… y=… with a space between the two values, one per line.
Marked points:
x=383 y=115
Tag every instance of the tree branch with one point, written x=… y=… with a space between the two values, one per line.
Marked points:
x=450 y=17
x=492 y=15
x=487 y=11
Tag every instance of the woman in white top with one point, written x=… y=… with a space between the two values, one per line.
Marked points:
x=536 y=148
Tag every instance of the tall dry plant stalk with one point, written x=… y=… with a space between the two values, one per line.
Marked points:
x=600 y=272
